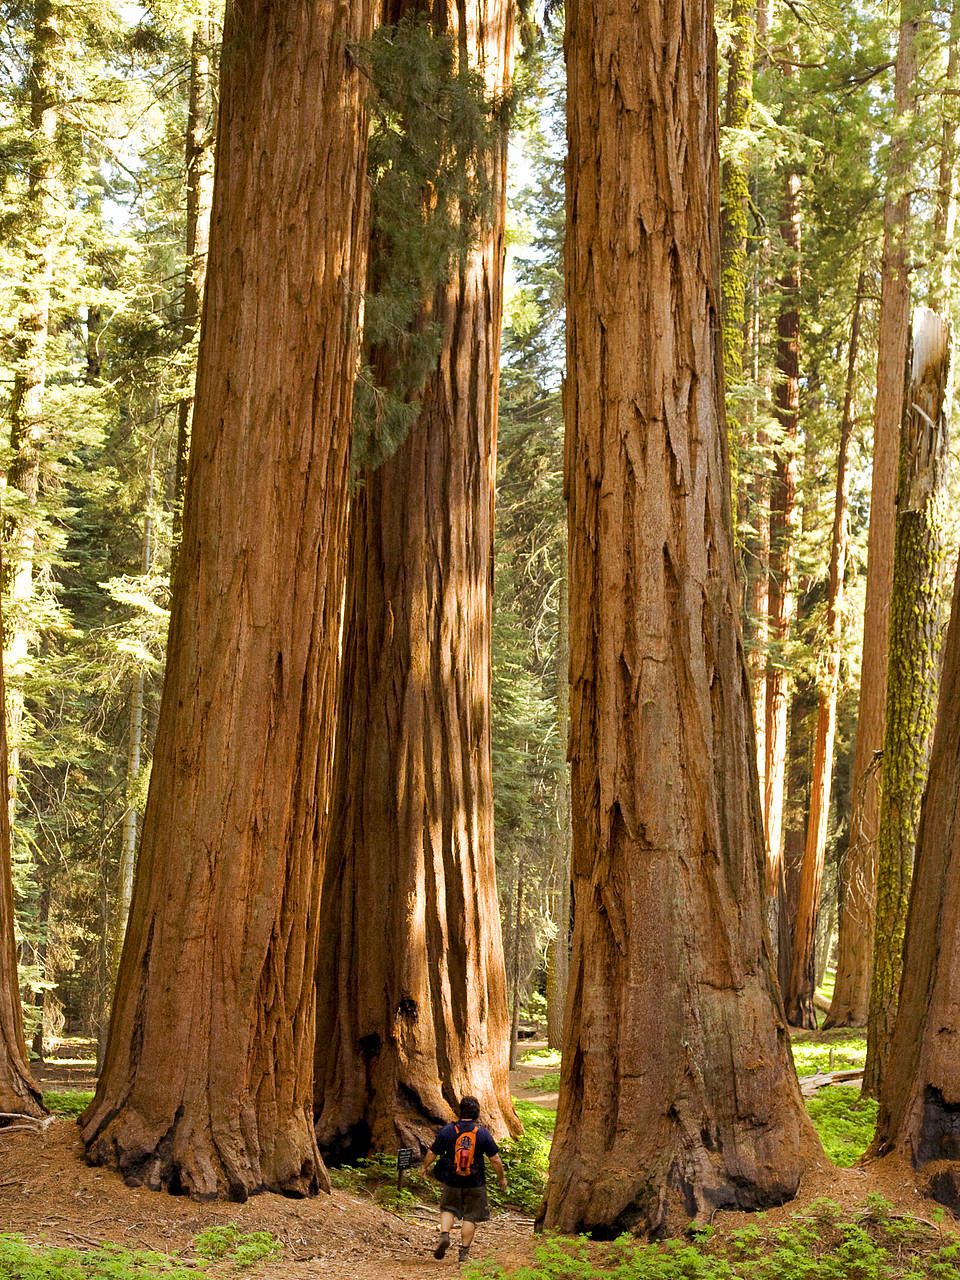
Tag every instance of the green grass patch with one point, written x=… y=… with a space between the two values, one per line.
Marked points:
x=821 y=1244
x=844 y=1121
x=549 y=1082
x=826 y=987
x=814 y=1051
x=67 y=1102
x=541 y=1058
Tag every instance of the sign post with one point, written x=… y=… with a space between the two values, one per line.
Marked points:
x=404 y=1161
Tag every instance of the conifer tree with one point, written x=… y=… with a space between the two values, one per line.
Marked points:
x=672 y=989
x=921 y=1086
x=913 y=670
x=207 y=1082
x=412 y=1009
x=19 y=1094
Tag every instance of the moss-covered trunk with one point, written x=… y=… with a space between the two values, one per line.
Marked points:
x=855 y=945
x=920 y=1096
x=913 y=669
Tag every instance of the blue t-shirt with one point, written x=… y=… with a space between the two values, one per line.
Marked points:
x=443 y=1149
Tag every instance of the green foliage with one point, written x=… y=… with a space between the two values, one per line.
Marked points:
x=376 y=1175
x=225 y=1244
x=844 y=1121
x=433 y=137
x=526 y=1159
x=241 y=1248
x=541 y=1058
x=822 y=1244
x=549 y=1081
x=22 y=1261
x=836 y=1050
x=68 y=1102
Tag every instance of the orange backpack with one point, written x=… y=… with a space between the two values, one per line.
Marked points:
x=464 y=1150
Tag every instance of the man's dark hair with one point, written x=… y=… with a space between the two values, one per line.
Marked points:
x=469 y=1108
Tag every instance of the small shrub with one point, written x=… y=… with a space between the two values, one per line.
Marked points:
x=242 y=1248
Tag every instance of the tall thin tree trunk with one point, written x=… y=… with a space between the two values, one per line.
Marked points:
x=198 y=148
x=945 y=214
x=207 y=1085
x=558 y=958
x=27 y=431
x=677 y=1088
x=851 y=993
x=914 y=665
x=798 y=996
x=128 y=831
x=515 y=985
x=920 y=1097
x=410 y=937
x=19 y=1093
x=783 y=530
x=734 y=206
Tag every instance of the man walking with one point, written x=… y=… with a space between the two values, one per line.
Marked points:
x=461 y=1148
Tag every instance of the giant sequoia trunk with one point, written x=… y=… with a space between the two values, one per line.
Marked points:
x=19 y=1094
x=207 y=1083
x=920 y=1099
x=913 y=669
x=411 y=1007
x=851 y=993
x=798 y=993
x=677 y=1086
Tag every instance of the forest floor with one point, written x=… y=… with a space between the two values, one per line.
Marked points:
x=48 y=1195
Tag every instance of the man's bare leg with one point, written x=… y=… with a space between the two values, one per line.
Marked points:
x=446 y=1222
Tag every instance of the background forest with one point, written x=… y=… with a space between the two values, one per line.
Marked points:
x=838 y=133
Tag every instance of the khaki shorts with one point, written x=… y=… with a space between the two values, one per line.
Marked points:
x=469 y=1203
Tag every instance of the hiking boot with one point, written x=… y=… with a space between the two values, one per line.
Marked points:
x=464 y=1253
x=443 y=1246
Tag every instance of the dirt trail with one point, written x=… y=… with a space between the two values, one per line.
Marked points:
x=48 y=1193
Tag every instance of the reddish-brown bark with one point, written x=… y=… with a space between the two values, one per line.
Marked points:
x=783 y=531
x=207 y=1084
x=920 y=1098
x=851 y=993
x=412 y=1009
x=798 y=994
x=19 y=1093
x=677 y=1086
